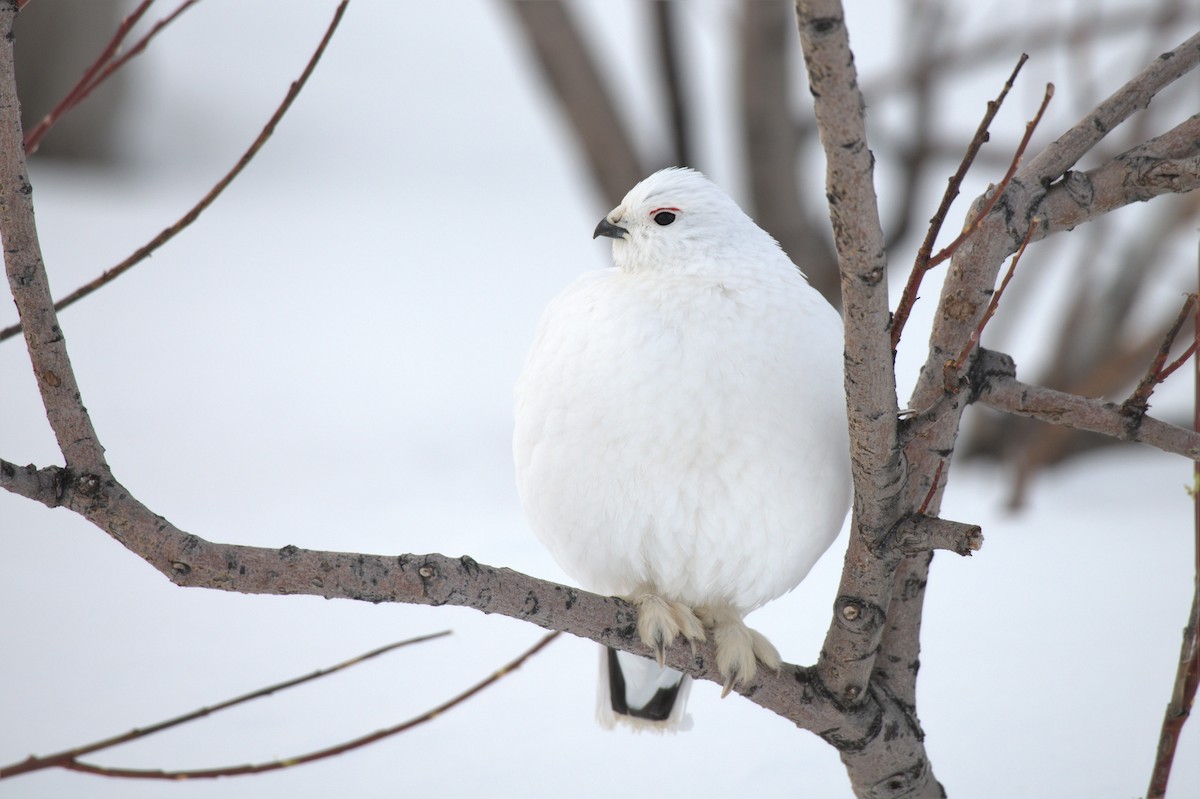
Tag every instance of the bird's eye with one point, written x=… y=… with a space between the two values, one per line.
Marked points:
x=664 y=218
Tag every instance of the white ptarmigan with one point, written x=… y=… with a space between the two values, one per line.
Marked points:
x=681 y=434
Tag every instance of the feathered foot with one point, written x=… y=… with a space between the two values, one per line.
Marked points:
x=660 y=621
x=739 y=648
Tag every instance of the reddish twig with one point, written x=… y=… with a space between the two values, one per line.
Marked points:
x=62 y=759
x=169 y=233
x=953 y=367
x=275 y=765
x=1139 y=400
x=949 y=250
x=933 y=487
x=1187 y=677
x=921 y=265
x=89 y=80
x=117 y=63
x=1183 y=696
x=1170 y=368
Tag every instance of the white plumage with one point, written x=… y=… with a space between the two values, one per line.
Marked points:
x=681 y=432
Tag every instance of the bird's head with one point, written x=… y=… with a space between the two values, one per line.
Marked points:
x=677 y=220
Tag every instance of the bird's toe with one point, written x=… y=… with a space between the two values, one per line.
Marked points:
x=736 y=657
x=739 y=648
x=661 y=621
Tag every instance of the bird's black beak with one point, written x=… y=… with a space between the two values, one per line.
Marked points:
x=606 y=228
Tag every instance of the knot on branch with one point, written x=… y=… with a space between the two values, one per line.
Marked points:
x=917 y=533
x=1079 y=188
x=823 y=26
x=902 y=783
x=988 y=366
x=857 y=615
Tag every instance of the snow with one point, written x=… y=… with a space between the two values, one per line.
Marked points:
x=326 y=359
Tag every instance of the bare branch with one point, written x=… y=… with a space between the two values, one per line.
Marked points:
x=1002 y=391
x=1187 y=676
x=41 y=485
x=870 y=383
x=849 y=651
x=70 y=756
x=102 y=68
x=1139 y=400
x=848 y=657
x=1183 y=695
x=924 y=533
x=954 y=367
x=27 y=277
x=208 y=199
x=925 y=251
x=998 y=192
x=321 y=754
x=934 y=487
x=968 y=286
x=187 y=560
x=80 y=89
x=1135 y=95
x=1168 y=164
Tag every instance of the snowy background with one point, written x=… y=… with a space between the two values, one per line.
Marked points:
x=326 y=359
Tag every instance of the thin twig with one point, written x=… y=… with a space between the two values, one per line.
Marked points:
x=1183 y=696
x=63 y=758
x=95 y=75
x=949 y=250
x=129 y=54
x=85 y=84
x=921 y=265
x=1170 y=368
x=1139 y=400
x=955 y=366
x=169 y=233
x=1187 y=677
x=933 y=487
x=275 y=765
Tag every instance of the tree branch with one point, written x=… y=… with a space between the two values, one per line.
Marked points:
x=1168 y=164
x=70 y=756
x=144 y=252
x=320 y=754
x=102 y=69
x=969 y=283
x=1183 y=696
x=1135 y=95
x=922 y=265
x=919 y=533
x=27 y=277
x=898 y=766
x=1001 y=390
x=848 y=654
x=1139 y=401
x=190 y=561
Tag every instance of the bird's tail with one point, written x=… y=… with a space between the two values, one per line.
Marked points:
x=637 y=692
